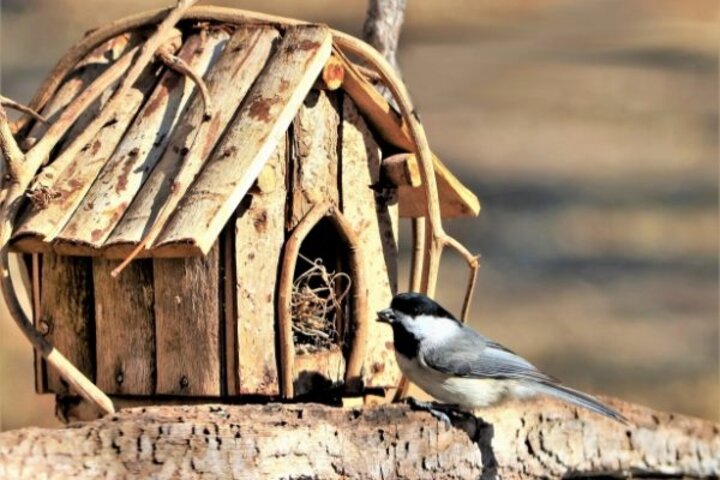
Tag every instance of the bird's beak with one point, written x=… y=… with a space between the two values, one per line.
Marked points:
x=386 y=316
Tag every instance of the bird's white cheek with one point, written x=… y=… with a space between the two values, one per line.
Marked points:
x=432 y=328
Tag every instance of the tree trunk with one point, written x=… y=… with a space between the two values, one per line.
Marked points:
x=382 y=27
x=542 y=438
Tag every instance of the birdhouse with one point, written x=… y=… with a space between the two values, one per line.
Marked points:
x=230 y=227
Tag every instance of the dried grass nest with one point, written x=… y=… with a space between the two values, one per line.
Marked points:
x=318 y=305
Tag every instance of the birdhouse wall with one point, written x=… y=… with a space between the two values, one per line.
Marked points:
x=188 y=325
x=125 y=328
x=154 y=330
x=330 y=156
x=207 y=326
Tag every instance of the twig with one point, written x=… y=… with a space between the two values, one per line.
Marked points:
x=176 y=63
x=11 y=151
x=9 y=103
x=435 y=237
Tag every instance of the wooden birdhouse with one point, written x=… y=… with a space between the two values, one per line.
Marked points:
x=255 y=176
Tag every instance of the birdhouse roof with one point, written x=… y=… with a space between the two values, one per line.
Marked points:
x=187 y=151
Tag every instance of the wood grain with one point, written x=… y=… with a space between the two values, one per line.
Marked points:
x=314 y=154
x=250 y=140
x=187 y=324
x=314 y=166
x=259 y=237
x=141 y=147
x=41 y=225
x=228 y=80
x=96 y=62
x=374 y=218
x=67 y=313
x=125 y=328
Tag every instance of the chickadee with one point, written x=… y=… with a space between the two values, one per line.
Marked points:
x=458 y=366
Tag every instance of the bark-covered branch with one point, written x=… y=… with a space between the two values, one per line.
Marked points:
x=383 y=23
x=519 y=440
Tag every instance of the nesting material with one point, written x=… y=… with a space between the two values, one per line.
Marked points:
x=318 y=307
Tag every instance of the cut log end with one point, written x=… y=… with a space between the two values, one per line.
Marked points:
x=333 y=73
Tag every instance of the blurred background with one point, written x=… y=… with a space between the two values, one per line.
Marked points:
x=589 y=130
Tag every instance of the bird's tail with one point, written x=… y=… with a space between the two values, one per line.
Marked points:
x=580 y=399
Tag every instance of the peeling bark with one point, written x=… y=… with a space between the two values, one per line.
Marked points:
x=530 y=440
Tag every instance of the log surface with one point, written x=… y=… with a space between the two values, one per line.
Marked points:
x=537 y=439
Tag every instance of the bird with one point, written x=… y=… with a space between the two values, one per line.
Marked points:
x=463 y=369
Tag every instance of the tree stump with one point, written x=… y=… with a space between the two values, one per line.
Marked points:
x=542 y=438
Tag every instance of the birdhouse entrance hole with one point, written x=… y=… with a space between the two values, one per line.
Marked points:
x=322 y=304
x=321 y=291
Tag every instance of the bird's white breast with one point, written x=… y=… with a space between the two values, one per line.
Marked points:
x=464 y=392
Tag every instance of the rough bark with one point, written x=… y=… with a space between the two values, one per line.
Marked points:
x=136 y=156
x=314 y=180
x=314 y=159
x=82 y=76
x=40 y=225
x=250 y=140
x=382 y=26
x=531 y=440
x=229 y=79
x=259 y=235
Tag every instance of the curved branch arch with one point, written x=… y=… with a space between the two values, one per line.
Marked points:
x=358 y=345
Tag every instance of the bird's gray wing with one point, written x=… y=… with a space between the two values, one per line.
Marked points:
x=473 y=356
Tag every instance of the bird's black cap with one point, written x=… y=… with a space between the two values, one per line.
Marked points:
x=415 y=304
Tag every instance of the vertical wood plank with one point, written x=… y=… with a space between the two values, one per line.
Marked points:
x=187 y=324
x=66 y=318
x=314 y=159
x=259 y=238
x=374 y=218
x=39 y=361
x=228 y=307
x=124 y=326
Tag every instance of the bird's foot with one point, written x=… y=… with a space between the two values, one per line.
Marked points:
x=442 y=411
